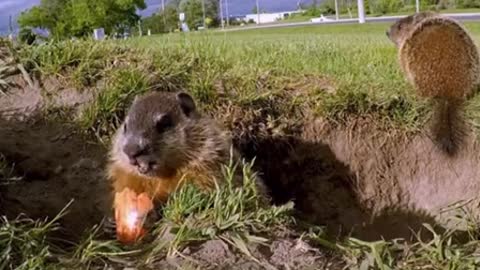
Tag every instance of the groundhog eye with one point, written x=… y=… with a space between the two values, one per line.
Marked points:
x=164 y=123
x=125 y=127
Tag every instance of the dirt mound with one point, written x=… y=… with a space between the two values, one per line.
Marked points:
x=57 y=164
x=364 y=179
x=280 y=254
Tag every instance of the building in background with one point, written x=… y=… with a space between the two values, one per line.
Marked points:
x=270 y=17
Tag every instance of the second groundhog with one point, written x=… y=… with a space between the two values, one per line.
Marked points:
x=440 y=59
x=163 y=139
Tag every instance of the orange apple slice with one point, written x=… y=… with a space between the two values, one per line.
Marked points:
x=130 y=212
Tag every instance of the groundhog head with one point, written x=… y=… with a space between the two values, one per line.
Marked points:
x=152 y=139
x=401 y=28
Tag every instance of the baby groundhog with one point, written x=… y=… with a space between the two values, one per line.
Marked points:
x=441 y=60
x=164 y=139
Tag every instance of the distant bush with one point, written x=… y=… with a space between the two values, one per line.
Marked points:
x=467 y=3
x=26 y=36
x=385 y=6
x=314 y=12
x=236 y=22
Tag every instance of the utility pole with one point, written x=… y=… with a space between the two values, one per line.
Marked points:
x=203 y=10
x=337 y=16
x=10 y=35
x=10 y=21
x=258 y=13
x=361 y=12
x=417 y=4
x=228 y=16
x=140 y=28
x=221 y=15
x=164 y=15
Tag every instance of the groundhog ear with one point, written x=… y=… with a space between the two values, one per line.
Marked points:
x=186 y=103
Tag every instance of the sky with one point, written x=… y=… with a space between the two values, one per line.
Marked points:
x=236 y=7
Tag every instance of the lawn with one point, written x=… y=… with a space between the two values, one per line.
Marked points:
x=359 y=58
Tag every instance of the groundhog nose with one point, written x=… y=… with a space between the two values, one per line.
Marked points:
x=133 y=152
x=133 y=161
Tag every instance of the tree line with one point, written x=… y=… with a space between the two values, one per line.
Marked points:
x=380 y=7
x=78 y=18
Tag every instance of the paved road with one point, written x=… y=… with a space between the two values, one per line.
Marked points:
x=457 y=16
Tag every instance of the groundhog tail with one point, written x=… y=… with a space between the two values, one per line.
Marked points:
x=448 y=126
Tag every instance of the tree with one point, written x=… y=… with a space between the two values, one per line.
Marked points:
x=64 y=18
x=194 y=12
x=157 y=24
x=26 y=36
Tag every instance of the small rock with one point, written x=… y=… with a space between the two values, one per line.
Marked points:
x=85 y=163
x=187 y=251
x=302 y=246
x=58 y=169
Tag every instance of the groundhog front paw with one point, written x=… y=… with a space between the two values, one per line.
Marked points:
x=153 y=217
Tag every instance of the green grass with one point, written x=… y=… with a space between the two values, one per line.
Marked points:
x=443 y=251
x=111 y=104
x=366 y=75
x=367 y=70
x=358 y=58
x=248 y=66
x=31 y=244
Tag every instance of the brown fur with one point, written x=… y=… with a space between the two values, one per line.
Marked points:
x=441 y=60
x=194 y=148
